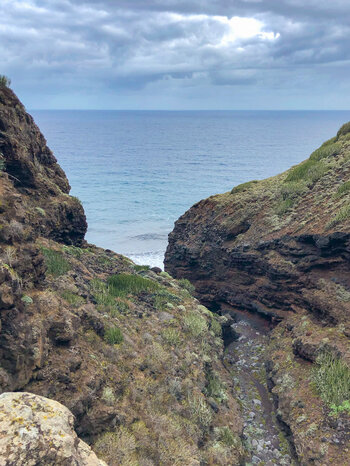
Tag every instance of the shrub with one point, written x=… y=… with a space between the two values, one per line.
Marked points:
x=226 y=436
x=113 y=336
x=200 y=412
x=108 y=396
x=123 y=284
x=343 y=189
x=26 y=299
x=332 y=379
x=215 y=387
x=55 y=262
x=243 y=186
x=186 y=284
x=344 y=130
x=4 y=81
x=163 y=297
x=284 y=206
x=195 y=324
x=215 y=326
x=171 y=336
x=117 y=447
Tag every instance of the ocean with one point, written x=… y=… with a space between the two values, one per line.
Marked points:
x=136 y=172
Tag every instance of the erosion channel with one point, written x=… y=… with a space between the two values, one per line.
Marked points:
x=265 y=436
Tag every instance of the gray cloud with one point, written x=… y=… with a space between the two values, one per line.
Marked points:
x=88 y=53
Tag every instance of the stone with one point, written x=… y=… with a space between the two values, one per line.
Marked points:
x=35 y=430
x=165 y=316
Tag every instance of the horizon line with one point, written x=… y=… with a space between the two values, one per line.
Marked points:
x=182 y=110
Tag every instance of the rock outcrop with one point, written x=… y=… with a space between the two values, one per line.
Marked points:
x=127 y=350
x=281 y=248
x=35 y=430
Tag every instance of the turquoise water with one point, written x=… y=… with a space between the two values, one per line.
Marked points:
x=136 y=172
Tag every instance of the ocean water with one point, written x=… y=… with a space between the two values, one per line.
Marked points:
x=136 y=172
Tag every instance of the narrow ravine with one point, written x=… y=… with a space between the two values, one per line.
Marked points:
x=263 y=435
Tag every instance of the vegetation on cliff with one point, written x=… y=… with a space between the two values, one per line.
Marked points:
x=280 y=247
x=130 y=352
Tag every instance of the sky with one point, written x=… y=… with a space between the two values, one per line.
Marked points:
x=177 y=54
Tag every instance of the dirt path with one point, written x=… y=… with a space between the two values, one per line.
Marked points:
x=263 y=436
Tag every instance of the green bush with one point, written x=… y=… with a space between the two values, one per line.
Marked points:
x=215 y=387
x=26 y=299
x=113 y=336
x=226 y=436
x=343 y=189
x=55 y=262
x=332 y=379
x=186 y=285
x=162 y=297
x=124 y=284
x=171 y=336
x=4 y=81
x=195 y=324
x=200 y=412
x=344 y=130
x=215 y=326
x=73 y=251
x=284 y=206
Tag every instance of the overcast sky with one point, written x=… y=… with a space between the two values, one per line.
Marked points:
x=177 y=54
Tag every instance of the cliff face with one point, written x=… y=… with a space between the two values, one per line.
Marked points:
x=281 y=248
x=129 y=352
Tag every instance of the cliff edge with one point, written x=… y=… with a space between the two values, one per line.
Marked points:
x=280 y=248
x=134 y=357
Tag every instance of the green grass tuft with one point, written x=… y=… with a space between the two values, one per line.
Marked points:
x=343 y=214
x=124 y=284
x=4 y=81
x=56 y=264
x=186 y=285
x=344 y=130
x=331 y=378
x=113 y=336
x=140 y=268
x=328 y=149
x=195 y=324
x=72 y=298
x=343 y=189
x=310 y=170
x=243 y=187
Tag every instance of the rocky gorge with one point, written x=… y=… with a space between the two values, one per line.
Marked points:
x=238 y=354
x=94 y=350
x=278 y=249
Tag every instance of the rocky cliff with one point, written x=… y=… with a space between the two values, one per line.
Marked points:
x=280 y=248
x=128 y=351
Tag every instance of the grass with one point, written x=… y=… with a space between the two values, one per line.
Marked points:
x=329 y=148
x=195 y=324
x=243 y=187
x=56 y=264
x=72 y=298
x=171 y=336
x=101 y=293
x=124 y=284
x=140 y=268
x=73 y=251
x=200 y=412
x=163 y=297
x=343 y=214
x=186 y=285
x=216 y=328
x=331 y=378
x=343 y=189
x=344 y=130
x=311 y=170
x=113 y=336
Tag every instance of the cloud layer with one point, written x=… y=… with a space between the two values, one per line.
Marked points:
x=177 y=54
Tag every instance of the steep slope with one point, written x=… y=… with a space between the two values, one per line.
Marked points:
x=130 y=352
x=280 y=248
